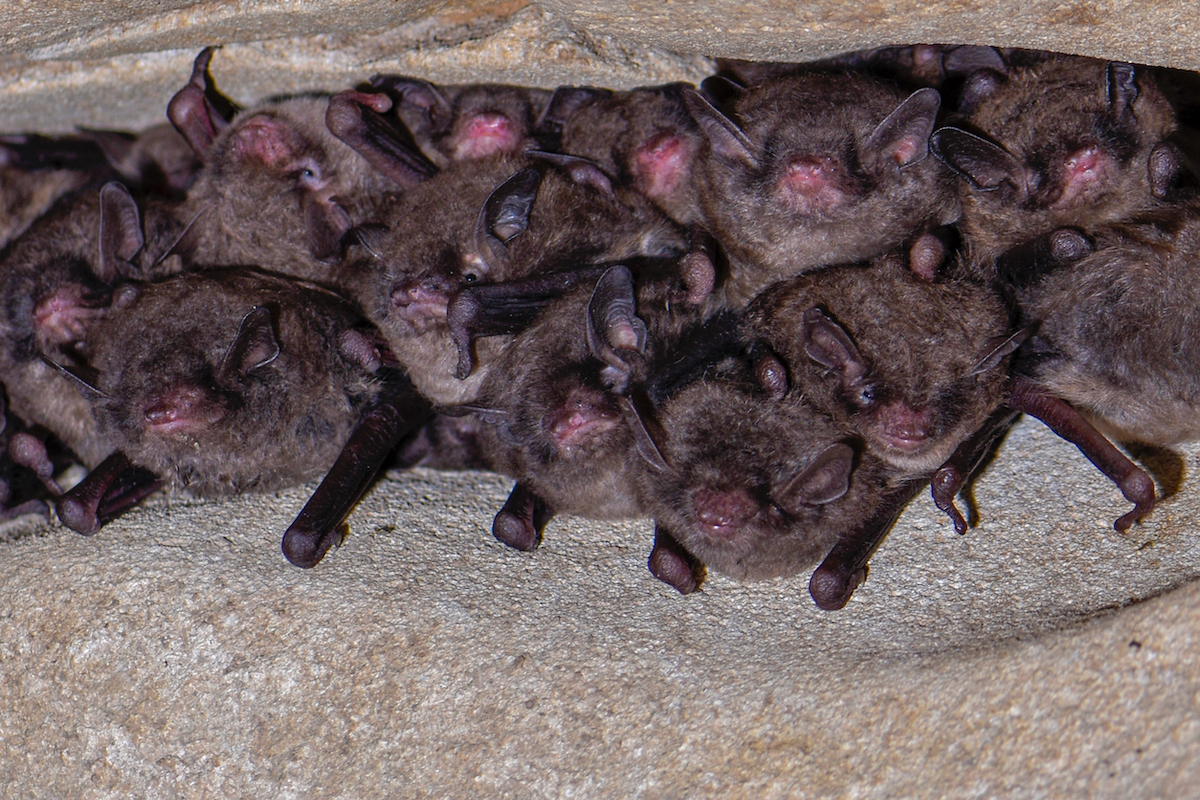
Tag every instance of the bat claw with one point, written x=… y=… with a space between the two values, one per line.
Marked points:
x=831 y=589
x=305 y=548
x=511 y=529
x=77 y=514
x=673 y=565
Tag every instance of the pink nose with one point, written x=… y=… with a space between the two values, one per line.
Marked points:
x=723 y=511
x=904 y=424
x=182 y=407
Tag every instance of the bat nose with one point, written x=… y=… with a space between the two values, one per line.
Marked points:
x=904 y=426
x=418 y=293
x=723 y=511
x=182 y=407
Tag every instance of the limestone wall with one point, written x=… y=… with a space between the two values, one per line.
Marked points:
x=177 y=655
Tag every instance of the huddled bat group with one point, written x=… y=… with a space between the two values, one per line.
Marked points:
x=765 y=311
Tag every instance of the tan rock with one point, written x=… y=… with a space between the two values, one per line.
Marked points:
x=176 y=654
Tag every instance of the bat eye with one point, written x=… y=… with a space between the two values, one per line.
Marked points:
x=470 y=277
x=864 y=397
x=309 y=176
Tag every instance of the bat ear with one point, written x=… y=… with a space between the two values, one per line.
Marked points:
x=357 y=119
x=582 y=171
x=968 y=59
x=83 y=377
x=565 y=101
x=256 y=345
x=640 y=423
x=419 y=94
x=824 y=480
x=979 y=86
x=985 y=165
x=720 y=91
x=505 y=215
x=193 y=110
x=903 y=137
x=1001 y=350
x=828 y=344
x=1122 y=89
x=120 y=233
x=726 y=139
x=116 y=146
x=326 y=223
x=614 y=331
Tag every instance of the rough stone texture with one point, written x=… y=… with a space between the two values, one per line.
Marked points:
x=177 y=654
x=1163 y=34
x=100 y=79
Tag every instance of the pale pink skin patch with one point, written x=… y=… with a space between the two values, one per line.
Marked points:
x=181 y=410
x=902 y=428
x=659 y=165
x=1083 y=171
x=62 y=316
x=582 y=418
x=486 y=134
x=420 y=306
x=813 y=184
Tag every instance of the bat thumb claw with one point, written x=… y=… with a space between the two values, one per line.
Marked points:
x=831 y=590
x=305 y=548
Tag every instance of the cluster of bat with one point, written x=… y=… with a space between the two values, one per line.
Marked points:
x=764 y=312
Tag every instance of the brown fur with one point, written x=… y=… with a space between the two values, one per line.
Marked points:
x=921 y=343
x=1118 y=335
x=865 y=202
x=258 y=427
x=430 y=249
x=446 y=131
x=646 y=139
x=1042 y=115
x=729 y=446
x=57 y=261
x=279 y=191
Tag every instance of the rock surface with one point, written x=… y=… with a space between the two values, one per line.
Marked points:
x=177 y=655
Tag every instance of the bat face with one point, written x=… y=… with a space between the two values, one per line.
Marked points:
x=59 y=280
x=483 y=224
x=818 y=169
x=279 y=190
x=911 y=367
x=1116 y=328
x=645 y=138
x=230 y=380
x=753 y=488
x=1068 y=141
x=464 y=122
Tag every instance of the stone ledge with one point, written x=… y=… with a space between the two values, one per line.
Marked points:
x=177 y=654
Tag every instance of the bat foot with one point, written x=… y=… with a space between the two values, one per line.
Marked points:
x=831 y=589
x=305 y=548
x=674 y=570
x=1138 y=488
x=673 y=565
x=944 y=485
x=77 y=514
x=515 y=531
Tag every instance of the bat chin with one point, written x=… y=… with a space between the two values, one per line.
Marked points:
x=421 y=317
x=911 y=454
